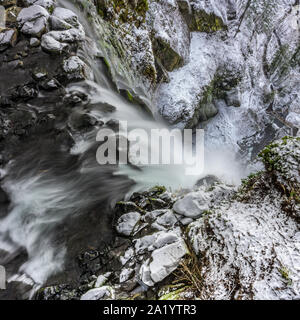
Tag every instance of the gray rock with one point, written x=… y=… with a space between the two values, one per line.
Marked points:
x=34 y=42
x=102 y=279
x=49 y=44
x=31 y=13
x=35 y=28
x=192 y=205
x=48 y=4
x=126 y=274
x=33 y=20
x=69 y=36
x=66 y=15
x=163 y=262
x=8 y=37
x=74 y=67
x=99 y=293
x=58 y=24
x=127 y=223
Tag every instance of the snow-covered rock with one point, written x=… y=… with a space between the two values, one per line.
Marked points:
x=127 y=223
x=49 y=44
x=33 y=20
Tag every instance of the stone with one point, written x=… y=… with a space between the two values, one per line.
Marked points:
x=47 y=4
x=99 y=293
x=8 y=37
x=34 y=42
x=69 y=36
x=127 y=223
x=49 y=44
x=66 y=15
x=35 y=28
x=33 y=20
x=163 y=262
x=31 y=13
x=74 y=67
x=192 y=205
x=126 y=274
x=58 y=24
x=102 y=279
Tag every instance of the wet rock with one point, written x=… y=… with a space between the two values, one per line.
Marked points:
x=102 y=279
x=126 y=274
x=34 y=42
x=3 y=197
x=58 y=24
x=66 y=15
x=50 y=45
x=78 y=121
x=8 y=37
x=47 y=4
x=68 y=36
x=126 y=206
x=33 y=20
x=74 y=67
x=127 y=223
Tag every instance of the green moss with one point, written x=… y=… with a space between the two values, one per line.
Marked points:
x=270 y=157
x=129 y=96
x=165 y=55
x=173 y=295
x=159 y=189
x=285 y=273
x=123 y=10
x=206 y=22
